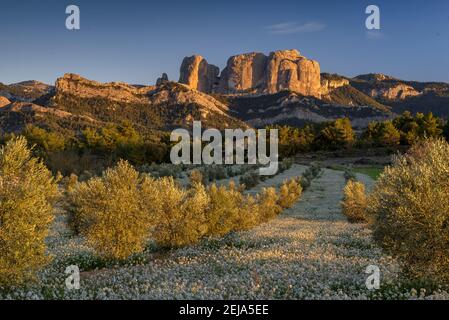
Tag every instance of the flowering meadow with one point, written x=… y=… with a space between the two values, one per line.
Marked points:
x=310 y=251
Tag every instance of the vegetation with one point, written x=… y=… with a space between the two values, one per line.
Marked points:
x=110 y=212
x=410 y=210
x=27 y=192
x=404 y=130
x=120 y=211
x=354 y=203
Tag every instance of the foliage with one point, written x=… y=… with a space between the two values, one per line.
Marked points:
x=420 y=126
x=289 y=193
x=27 y=193
x=381 y=134
x=268 y=204
x=108 y=210
x=179 y=214
x=335 y=135
x=410 y=210
x=354 y=202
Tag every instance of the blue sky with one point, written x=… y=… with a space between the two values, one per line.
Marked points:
x=136 y=40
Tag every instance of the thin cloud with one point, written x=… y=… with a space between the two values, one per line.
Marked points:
x=294 y=27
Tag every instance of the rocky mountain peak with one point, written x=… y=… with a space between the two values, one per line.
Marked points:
x=76 y=85
x=255 y=73
x=198 y=74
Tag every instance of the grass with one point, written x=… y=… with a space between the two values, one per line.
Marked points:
x=373 y=172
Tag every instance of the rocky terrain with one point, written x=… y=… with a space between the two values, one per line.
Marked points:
x=254 y=73
x=26 y=91
x=253 y=89
x=403 y=95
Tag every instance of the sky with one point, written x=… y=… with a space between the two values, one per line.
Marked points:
x=135 y=41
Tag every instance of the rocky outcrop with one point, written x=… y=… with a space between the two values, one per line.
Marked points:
x=291 y=108
x=255 y=73
x=373 y=77
x=244 y=73
x=396 y=92
x=169 y=102
x=198 y=74
x=78 y=86
x=163 y=79
x=4 y=102
x=288 y=70
x=26 y=91
x=330 y=82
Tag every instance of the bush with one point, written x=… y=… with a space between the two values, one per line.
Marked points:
x=196 y=176
x=349 y=175
x=250 y=179
x=285 y=164
x=27 y=193
x=224 y=211
x=108 y=211
x=354 y=202
x=410 y=209
x=268 y=204
x=178 y=214
x=289 y=193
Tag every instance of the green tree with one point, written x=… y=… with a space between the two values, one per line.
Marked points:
x=335 y=135
x=27 y=193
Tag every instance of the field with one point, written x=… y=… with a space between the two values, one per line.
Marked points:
x=309 y=252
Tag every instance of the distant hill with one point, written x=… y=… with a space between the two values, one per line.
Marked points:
x=26 y=91
x=403 y=95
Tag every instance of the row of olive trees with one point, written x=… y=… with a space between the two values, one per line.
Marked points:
x=121 y=211
x=408 y=210
x=117 y=212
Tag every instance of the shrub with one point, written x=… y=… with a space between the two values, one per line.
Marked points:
x=349 y=175
x=285 y=164
x=304 y=183
x=70 y=182
x=108 y=211
x=250 y=179
x=178 y=214
x=354 y=202
x=224 y=211
x=410 y=209
x=249 y=214
x=27 y=193
x=196 y=176
x=289 y=193
x=268 y=204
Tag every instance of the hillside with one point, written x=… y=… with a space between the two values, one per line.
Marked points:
x=404 y=95
x=294 y=109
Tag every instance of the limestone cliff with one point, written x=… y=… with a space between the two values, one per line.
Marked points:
x=198 y=74
x=255 y=73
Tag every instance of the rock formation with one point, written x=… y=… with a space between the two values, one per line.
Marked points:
x=331 y=82
x=163 y=79
x=76 y=85
x=243 y=73
x=4 y=102
x=288 y=70
x=255 y=73
x=395 y=92
x=198 y=74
